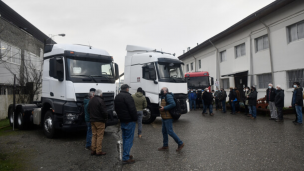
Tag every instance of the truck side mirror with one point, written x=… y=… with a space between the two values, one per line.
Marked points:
x=116 y=71
x=212 y=82
x=152 y=73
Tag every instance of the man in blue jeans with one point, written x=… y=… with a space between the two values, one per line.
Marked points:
x=222 y=98
x=87 y=119
x=192 y=98
x=252 y=100
x=208 y=99
x=167 y=103
x=127 y=114
x=297 y=102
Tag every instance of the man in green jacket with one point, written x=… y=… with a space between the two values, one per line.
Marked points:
x=140 y=104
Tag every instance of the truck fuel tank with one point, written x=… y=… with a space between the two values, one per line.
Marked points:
x=37 y=116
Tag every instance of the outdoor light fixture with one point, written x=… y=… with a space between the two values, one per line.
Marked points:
x=61 y=35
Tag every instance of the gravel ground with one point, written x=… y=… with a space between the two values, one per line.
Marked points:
x=221 y=142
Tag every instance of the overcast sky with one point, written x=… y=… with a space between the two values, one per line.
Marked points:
x=170 y=25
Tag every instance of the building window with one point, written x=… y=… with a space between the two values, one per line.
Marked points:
x=240 y=50
x=295 y=76
x=296 y=31
x=223 y=56
x=10 y=53
x=261 y=43
x=264 y=80
x=199 y=64
x=33 y=61
x=187 y=67
x=225 y=83
x=191 y=66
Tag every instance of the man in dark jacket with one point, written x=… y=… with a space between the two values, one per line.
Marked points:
x=232 y=97
x=192 y=98
x=208 y=99
x=222 y=99
x=270 y=96
x=87 y=118
x=279 y=103
x=252 y=100
x=167 y=103
x=297 y=102
x=217 y=101
x=98 y=118
x=127 y=114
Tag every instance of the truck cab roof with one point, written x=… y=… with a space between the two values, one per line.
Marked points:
x=57 y=49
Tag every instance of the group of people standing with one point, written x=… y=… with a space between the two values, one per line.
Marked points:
x=129 y=109
x=248 y=99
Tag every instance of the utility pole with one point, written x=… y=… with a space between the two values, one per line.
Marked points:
x=14 y=101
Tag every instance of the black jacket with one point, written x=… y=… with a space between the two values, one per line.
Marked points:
x=125 y=107
x=272 y=94
x=279 y=98
x=208 y=98
x=97 y=110
x=222 y=95
x=252 y=99
x=299 y=96
x=232 y=95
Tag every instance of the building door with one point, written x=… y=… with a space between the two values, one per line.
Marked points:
x=240 y=80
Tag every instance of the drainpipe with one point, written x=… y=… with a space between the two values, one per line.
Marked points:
x=217 y=63
x=251 y=61
x=194 y=64
x=270 y=50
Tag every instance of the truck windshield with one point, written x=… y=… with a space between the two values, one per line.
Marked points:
x=197 y=82
x=90 y=69
x=170 y=72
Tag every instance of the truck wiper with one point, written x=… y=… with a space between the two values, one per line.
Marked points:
x=89 y=77
x=173 y=79
x=101 y=76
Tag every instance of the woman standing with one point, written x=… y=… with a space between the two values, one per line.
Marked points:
x=247 y=92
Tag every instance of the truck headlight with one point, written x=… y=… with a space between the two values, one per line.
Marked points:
x=71 y=116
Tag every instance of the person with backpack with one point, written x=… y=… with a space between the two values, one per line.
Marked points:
x=252 y=101
x=208 y=99
x=232 y=97
x=140 y=104
x=167 y=104
x=192 y=99
x=222 y=99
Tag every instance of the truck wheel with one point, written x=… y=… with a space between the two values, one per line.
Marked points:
x=48 y=125
x=11 y=117
x=21 y=122
x=148 y=117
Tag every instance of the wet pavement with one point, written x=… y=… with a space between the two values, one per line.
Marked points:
x=219 y=142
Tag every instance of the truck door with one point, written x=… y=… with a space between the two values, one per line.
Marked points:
x=57 y=81
x=149 y=82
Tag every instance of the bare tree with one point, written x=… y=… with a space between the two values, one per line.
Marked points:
x=28 y=74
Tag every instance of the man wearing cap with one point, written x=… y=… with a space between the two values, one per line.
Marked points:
x=127 y=114
x=140 y=104
x=98 y=119
x=87 y=118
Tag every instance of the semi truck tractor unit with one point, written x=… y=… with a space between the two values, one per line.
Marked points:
x=69 y=72
x=152 y=70
x=199 y=80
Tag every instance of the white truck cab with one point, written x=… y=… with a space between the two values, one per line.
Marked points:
x=69 y=72
x=152 y=70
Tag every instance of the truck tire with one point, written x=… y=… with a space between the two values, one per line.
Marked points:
x=48 y=125
x=21 y=122
x=11 y=119
x=148 y=117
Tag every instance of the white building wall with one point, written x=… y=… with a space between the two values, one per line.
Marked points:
x=286 y=56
